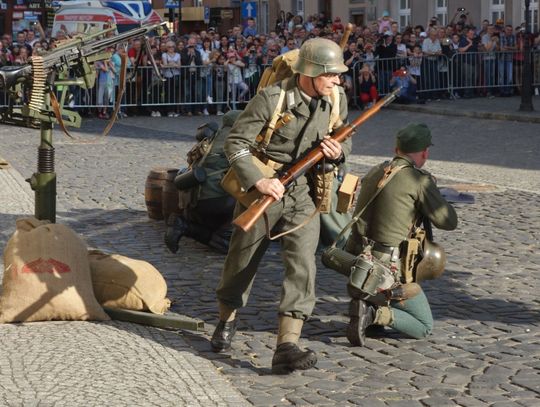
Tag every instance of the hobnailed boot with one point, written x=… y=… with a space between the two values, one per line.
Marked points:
x=362 y=315
x=288 y=356
x=176 y=228
x=225 y=329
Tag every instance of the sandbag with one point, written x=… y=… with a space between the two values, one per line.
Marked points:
x=122 y=282
x=47 y=275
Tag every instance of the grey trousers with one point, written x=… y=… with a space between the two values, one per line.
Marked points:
x=298 y=253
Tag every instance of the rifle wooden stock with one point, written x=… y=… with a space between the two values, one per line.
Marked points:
x=346 y=35
x=251 y=215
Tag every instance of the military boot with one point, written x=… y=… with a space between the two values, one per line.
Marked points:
x=219 y=243
x=176 y=228
x=225 y=329
x=288 y=356
x=362 y=315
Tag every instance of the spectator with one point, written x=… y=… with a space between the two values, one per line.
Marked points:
x=290 y=45
x=367 y=86
x=4 y=55
x=431 y=49
x=411 y=43
x=237 y=87
x=352 y=59
x=403 y=79
x=490 y=45
x=401 y=48
x=518 y=57
x=116 y=61
x=369 y=56
x=170 y=64
x=192 y=61
x=22 y=57
x=468 y=49
x=281 y=22
x=104 y=77
x=384 y=23
x=208 y=59
x=415 y=64
x=251 y=28
x=253 y=68
x=386 y=52
x=220 y=83
x=337 y=26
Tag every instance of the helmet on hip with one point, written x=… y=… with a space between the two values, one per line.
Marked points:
x=432 y=264
x=318 y=56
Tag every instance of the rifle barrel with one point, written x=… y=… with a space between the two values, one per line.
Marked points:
x=251 y=215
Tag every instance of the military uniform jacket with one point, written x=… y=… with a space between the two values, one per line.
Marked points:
x=289 y=142
x=410 y=194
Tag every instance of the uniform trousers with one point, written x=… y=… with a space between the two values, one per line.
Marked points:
x=297 y=249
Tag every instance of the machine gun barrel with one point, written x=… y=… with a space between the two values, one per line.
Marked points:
x=71 y=51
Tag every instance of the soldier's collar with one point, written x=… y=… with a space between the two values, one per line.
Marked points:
x=399 y=157
x=299 y=100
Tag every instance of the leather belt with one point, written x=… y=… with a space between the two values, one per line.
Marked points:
x=381 y=248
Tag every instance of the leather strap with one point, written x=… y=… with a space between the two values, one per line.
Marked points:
x=389 y=173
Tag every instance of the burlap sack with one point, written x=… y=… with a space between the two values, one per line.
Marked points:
x=121 y=282
x=47 y=275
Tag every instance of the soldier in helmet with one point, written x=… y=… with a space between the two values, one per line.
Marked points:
x=407 y=194
x=308 y=96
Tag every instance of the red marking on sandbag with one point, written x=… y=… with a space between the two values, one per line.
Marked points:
x=45 y=266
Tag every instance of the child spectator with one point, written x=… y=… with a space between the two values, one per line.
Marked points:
x=367 y=87
x=237 y=87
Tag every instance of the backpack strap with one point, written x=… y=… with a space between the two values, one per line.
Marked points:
x=275 y=117
x=335 y=119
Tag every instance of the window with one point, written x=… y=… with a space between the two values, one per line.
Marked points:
x=533 y=12
x=404 y=14
x=496 y=10
x=441 y=11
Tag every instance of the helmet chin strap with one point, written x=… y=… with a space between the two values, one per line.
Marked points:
x=314 y=88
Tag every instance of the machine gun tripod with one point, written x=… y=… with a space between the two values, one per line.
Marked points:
x=34 y=85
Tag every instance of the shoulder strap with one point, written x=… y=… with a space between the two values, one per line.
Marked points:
x=389 y=173
x=275 y=117
x=335 y=120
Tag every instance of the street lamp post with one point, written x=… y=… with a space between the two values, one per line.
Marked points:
x=526 y=88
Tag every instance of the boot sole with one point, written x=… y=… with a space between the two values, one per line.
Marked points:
x=302 y=364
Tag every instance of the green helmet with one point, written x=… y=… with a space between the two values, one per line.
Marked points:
x=432 y=264
x=319 y=56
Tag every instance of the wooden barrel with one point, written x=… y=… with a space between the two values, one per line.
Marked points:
x=169 y=196
x=153 y=191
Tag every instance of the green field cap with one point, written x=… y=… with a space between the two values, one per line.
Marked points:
x=413 y=138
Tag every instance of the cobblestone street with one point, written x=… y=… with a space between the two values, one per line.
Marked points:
x=485 y=348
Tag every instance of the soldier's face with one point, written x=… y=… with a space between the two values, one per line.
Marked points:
x=324 y=84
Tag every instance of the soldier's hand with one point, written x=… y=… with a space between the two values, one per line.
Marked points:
x=331 y=148
x=270 y=186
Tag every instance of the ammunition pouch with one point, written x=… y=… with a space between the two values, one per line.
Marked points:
x=190 y=179
x=410 y=257
x=231 y=183
x=321 y=182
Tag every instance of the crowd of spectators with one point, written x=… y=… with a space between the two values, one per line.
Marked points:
x=210 y=71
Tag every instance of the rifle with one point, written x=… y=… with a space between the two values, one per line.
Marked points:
x=250 y=216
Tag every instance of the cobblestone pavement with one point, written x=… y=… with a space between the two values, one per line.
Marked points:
x=485 y=348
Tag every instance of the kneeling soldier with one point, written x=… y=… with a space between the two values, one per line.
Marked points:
x=393 y=196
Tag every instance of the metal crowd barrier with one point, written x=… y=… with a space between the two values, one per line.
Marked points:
x=194 y=89
x=463 y=75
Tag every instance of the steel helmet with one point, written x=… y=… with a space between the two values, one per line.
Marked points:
x=318 y=56
x=432 y=264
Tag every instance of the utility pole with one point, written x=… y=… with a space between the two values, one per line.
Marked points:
x=526 y=87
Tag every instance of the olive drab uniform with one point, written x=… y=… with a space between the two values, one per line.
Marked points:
x=206 y=208
x=387 y=222
x=287 y=144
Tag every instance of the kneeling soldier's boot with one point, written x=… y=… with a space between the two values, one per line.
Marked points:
x=362 y=315
x=176 y=228
x=225 y=329
x=288 y=357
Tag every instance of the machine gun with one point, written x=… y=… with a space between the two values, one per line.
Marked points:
x=34 y=84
